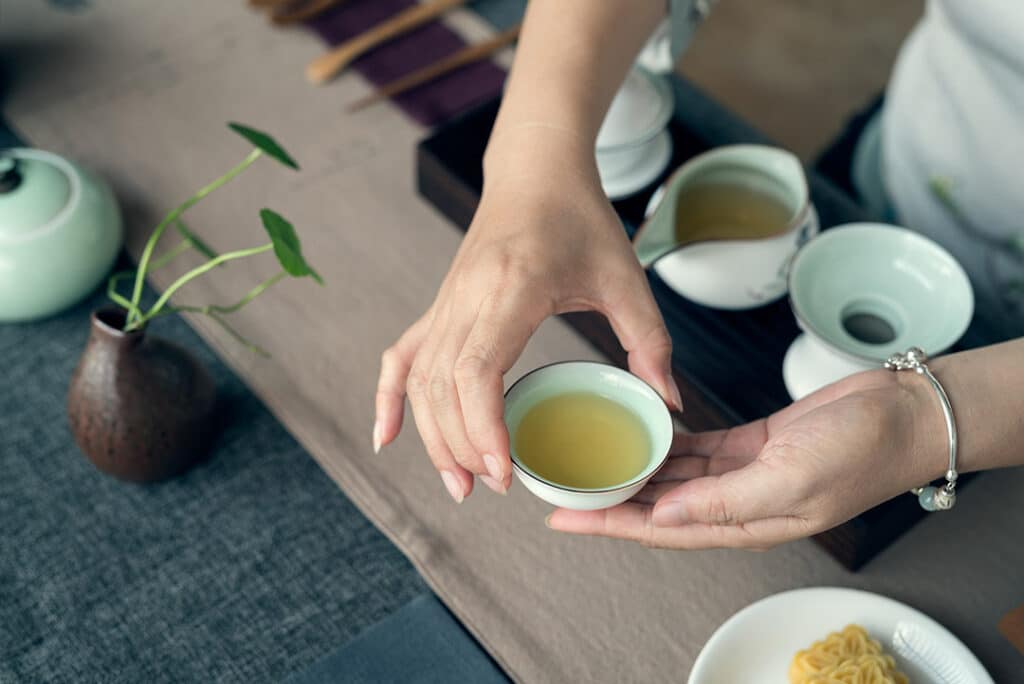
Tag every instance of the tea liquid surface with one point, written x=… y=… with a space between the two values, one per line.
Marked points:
x=725 y=211
x=583 y=440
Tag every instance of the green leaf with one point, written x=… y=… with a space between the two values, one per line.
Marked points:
x=286 y=245
x=265 y=143
x=195 y=241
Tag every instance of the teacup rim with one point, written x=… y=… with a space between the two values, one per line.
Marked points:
x=800 y=217
x=638 y=479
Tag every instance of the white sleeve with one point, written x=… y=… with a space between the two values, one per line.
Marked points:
x=669 y=40
x=684 y=17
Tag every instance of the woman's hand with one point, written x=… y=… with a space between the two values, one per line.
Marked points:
x=803 y=470
x=542 y=242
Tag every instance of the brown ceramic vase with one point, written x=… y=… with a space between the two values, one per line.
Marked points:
x=141 y=408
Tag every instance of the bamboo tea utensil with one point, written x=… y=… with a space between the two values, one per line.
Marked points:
x=467 y=55
x=305 y=11
x=1012 y=627
x=329 y=64
x=269 y=4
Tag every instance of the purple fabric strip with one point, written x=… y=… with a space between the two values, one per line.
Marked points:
x=433 y=102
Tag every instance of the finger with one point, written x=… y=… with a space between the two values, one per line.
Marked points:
x=625 y=521
x=638 y=324
x=395 y=363
x=457 y=480
x=681 y=468
x=633 y=522
x=653 y=491
x=447 y=408
x=742 y=441
x=757 y=490
x=497 y=339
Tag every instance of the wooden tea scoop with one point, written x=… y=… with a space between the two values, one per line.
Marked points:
x=305 y=11
x=269 y=4
x=467 y=55
x=329 y=64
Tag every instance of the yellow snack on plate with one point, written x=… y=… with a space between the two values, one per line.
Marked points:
x=846 y=657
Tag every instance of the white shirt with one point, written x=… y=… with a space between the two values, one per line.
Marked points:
x=954 y=112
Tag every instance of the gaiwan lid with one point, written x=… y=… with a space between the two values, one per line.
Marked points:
x=641 y=108
x=35 y=187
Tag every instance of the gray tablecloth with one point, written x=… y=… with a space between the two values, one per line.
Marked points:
x=247 y=569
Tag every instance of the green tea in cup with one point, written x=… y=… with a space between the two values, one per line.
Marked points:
x=583 y=440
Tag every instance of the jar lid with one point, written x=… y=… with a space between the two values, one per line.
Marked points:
x=35 y=187
x=641 y=108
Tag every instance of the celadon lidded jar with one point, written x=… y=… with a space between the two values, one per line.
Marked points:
x=60 y=233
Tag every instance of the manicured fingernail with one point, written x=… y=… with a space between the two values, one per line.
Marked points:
x=376 y=436
x=673 y=391
x=495 y=485
x=452 y=484
x=493 y=469
x=669 y=514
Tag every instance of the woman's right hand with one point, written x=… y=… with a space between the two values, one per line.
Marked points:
x=544 y=241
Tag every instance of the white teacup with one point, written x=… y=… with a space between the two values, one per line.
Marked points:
x=596 y=378
x=729 y=273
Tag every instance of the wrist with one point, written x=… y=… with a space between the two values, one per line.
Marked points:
x=929 y=442
x=536 y=152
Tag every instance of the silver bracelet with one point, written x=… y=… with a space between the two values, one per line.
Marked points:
x=930 y=497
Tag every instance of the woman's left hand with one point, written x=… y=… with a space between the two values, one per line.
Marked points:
x=803 y=470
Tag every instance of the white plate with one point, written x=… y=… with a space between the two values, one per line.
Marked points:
x=757 y=644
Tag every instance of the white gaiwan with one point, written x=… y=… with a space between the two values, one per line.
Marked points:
x=633 y=146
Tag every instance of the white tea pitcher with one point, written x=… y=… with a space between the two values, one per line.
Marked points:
x=722 y=264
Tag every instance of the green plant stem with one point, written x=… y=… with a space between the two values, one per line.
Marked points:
x=250 y=295
x=115 y=297
x=170 y=255
x=193 y=240
x=221 y=309
x=161 y=261
x=209 y=311
x=194 y=273
x=147 y=252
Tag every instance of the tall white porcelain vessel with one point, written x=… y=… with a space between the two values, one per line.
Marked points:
x=864 y=291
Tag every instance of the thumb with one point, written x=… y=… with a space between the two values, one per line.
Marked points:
x=638 y=324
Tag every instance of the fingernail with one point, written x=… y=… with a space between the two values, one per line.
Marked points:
x=493 y=469
x=547 y=520
x=495 y=485
x=673 y=391
x=669 y=514
x=452 y=484
x=376 y=436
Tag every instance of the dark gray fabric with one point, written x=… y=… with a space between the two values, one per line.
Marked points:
x=247 y=569
x=420 y=644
